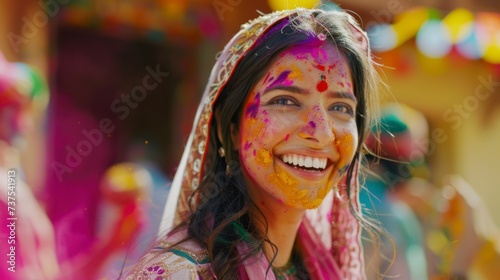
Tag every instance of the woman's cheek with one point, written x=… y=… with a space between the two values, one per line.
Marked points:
x=253 y=142
x=346 y=145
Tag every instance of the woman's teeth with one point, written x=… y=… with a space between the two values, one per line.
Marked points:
x=305 y=161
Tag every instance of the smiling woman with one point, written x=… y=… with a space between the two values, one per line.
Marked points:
x=279 y=131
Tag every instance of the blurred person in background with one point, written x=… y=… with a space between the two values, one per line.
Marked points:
x=459 y=237
x=33 y=242
x=125 y=191
x=393 y=148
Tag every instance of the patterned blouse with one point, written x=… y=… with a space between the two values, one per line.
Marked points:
x=183 y=261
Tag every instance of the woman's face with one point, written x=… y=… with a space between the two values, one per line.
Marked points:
x=298 y=133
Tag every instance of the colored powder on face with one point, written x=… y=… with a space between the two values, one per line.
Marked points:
x=310 y=129
x=345 y=143
x=300 y=55
x=317 y=116
x=282 y=79
x=340 y=84
x=322 y=86
x=313 y=203
x=289 y=187
x=296 y=73
x=303 y=135
x=286 y=184
x=255 y=127
x=349 y=85
x=286 y=137
x=267 y=77
x=254 y=153
x=253 y=108
x=319 y=55
x=247 y=145
x=263 y=157
x=318 y=199
x=320 y=67
x=345 y=140
x=331 y=67
x=281 y=178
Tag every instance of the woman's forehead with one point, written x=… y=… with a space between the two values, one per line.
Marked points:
x=317 y=52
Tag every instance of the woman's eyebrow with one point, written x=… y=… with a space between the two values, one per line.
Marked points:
x=342 y=95
x=302 y=91
x=292 y=89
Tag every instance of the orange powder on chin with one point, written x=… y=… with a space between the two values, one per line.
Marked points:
x=290 y=188
x=286 y=184
x=320 y=196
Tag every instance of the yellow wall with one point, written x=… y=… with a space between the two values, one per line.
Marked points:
x=470 y=140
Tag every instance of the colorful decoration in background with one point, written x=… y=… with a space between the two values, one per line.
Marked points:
x=19 y=79
x=473 y=36
x=279 y=5
x=156 y=20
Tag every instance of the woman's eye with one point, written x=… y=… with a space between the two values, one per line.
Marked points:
x=282 y=101
x=342 y=108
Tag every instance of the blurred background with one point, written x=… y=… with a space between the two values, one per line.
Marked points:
x=123 y=79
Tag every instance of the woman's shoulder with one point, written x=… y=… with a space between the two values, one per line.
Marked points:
x=168 y=260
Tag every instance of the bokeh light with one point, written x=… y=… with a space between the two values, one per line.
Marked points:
x=382 y=37
x=491 y=38
x=433 y=39
x=456 y=20
x=408 y=23
x=468 y=43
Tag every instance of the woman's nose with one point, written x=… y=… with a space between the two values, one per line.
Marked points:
x=318 y=127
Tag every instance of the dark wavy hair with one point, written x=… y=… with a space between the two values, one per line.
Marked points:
x=222 y=216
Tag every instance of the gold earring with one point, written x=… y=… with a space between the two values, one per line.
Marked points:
x=222 y=153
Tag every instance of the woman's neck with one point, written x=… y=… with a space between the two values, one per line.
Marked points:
x=282 y=226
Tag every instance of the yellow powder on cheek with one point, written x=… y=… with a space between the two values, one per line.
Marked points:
x=263 y=157
x=255 y=128
x=345 y=142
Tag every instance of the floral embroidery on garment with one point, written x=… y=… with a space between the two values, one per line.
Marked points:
x=180 y=262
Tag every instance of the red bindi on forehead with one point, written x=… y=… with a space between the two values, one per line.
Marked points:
x=322 y=84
